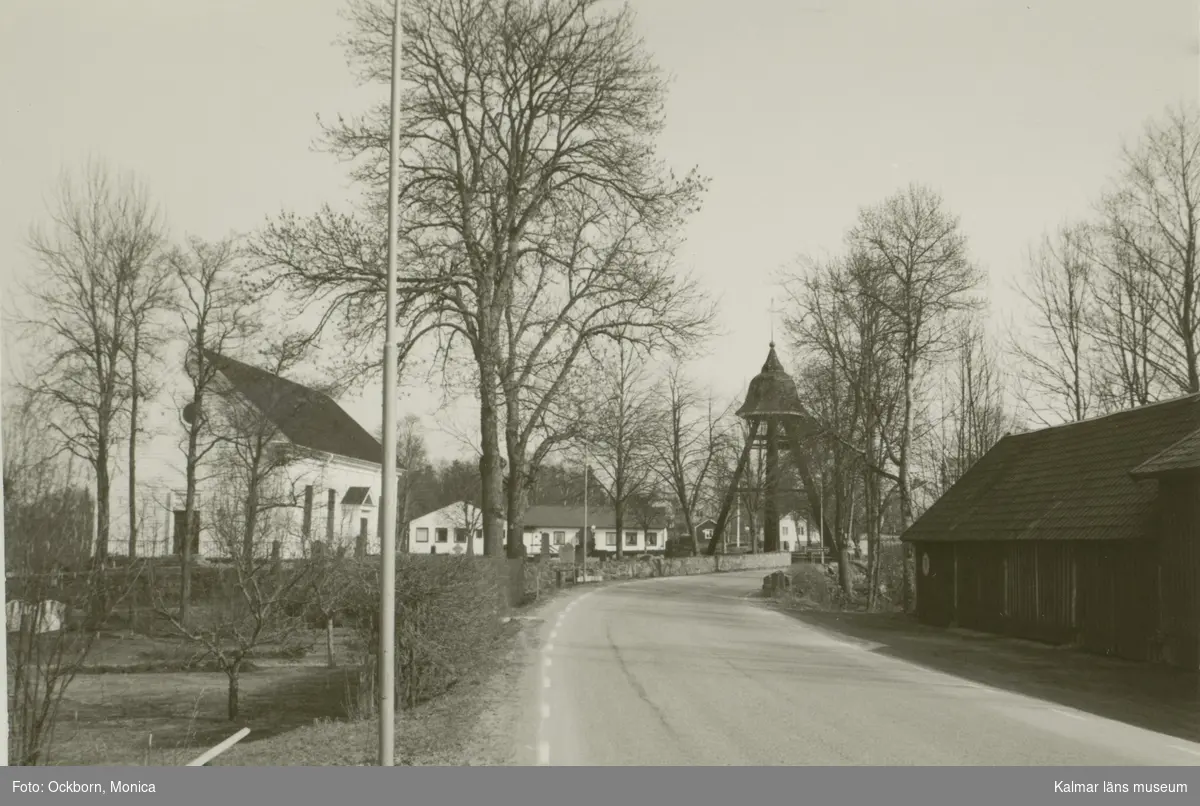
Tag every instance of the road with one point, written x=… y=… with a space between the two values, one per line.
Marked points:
x=689 y=671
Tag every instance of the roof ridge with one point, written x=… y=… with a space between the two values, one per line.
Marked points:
x=1193 y=396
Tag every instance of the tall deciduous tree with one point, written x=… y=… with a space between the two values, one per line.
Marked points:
x=148 y=297
x=929 y=279
x=688 y=445
x=215 y=316
x=1056 y=352
x=620 y=438
x=841 y=317
x=535 y=216
x=1151 y=219
x=93 y=260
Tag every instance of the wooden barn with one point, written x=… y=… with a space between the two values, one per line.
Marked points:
x=1087 y=533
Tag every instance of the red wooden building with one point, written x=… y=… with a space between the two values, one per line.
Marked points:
x=1087 y=533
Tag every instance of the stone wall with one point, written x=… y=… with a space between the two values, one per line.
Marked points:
x=650 y=567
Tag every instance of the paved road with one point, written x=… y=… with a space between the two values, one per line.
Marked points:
x=687 y=671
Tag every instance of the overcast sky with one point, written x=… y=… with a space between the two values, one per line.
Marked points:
x=800 y=111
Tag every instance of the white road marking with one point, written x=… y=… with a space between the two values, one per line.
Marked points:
x=543 y=753
x=1194 y=751
x=550 y=647
x=1068 y=713
x=545 y=710
x=547 y=662
x=545 y=681
x=553 y=634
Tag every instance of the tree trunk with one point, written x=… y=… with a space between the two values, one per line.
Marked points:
x=330 y=660
x=189 y=509
x=845 y=578
x=902 y=472
x=619 y=514
x=251 y=518
x=103 y=484
x=490 y=472
x=234 y=672
x=515 y=493
x=133 y=432
x=402 y=522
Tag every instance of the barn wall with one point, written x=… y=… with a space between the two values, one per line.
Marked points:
x=1178 y=527
x=935 y=583
x=1102 y=595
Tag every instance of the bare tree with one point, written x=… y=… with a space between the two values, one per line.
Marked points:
x=1056 y=351
x=929 y=280
x=621 y=436
x=49 y=581
x=93 y=260
x=1151 y=217
x=688 y=445
x=249 y=609
x=413 y=457
x=535 y=218
x=841 y=317
x=327 y=591
x=978 y=418
x=216 y=316
x=1125 y=329
x=148 y=297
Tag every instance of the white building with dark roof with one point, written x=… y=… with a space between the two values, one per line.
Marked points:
x=326 y=491
x=458 y=528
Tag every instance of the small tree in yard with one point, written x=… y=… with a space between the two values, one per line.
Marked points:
x=50 y=584
x=327 y=592
x=248 y=609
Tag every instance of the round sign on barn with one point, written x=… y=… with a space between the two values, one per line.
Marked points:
x=925 y=563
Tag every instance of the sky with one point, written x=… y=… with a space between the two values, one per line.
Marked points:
x=800 y=112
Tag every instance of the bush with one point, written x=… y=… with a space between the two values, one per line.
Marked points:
x=448 y=616
x=817 y=584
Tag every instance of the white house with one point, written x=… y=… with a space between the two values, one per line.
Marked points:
x=458 y=528
x=795 y=532
x=454 y=529
x=561 y=526
x=327 y=492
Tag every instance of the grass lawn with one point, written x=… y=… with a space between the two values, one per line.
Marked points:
x=295 y=709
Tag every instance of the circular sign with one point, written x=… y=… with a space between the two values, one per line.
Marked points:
x=925 y=564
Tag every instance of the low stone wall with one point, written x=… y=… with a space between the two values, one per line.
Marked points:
x=749 y=562
x=649 y=567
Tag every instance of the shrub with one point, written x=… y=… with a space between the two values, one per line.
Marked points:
x=448 y=611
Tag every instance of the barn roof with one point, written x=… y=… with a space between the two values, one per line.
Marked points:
x=1184 y=456
x=308 y=418
x=1070 y=482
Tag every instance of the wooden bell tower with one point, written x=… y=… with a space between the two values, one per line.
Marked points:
x=778 y=423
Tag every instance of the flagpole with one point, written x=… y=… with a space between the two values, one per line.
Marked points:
x=387 y=540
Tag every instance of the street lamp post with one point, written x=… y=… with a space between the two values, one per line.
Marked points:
x=387 y=540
